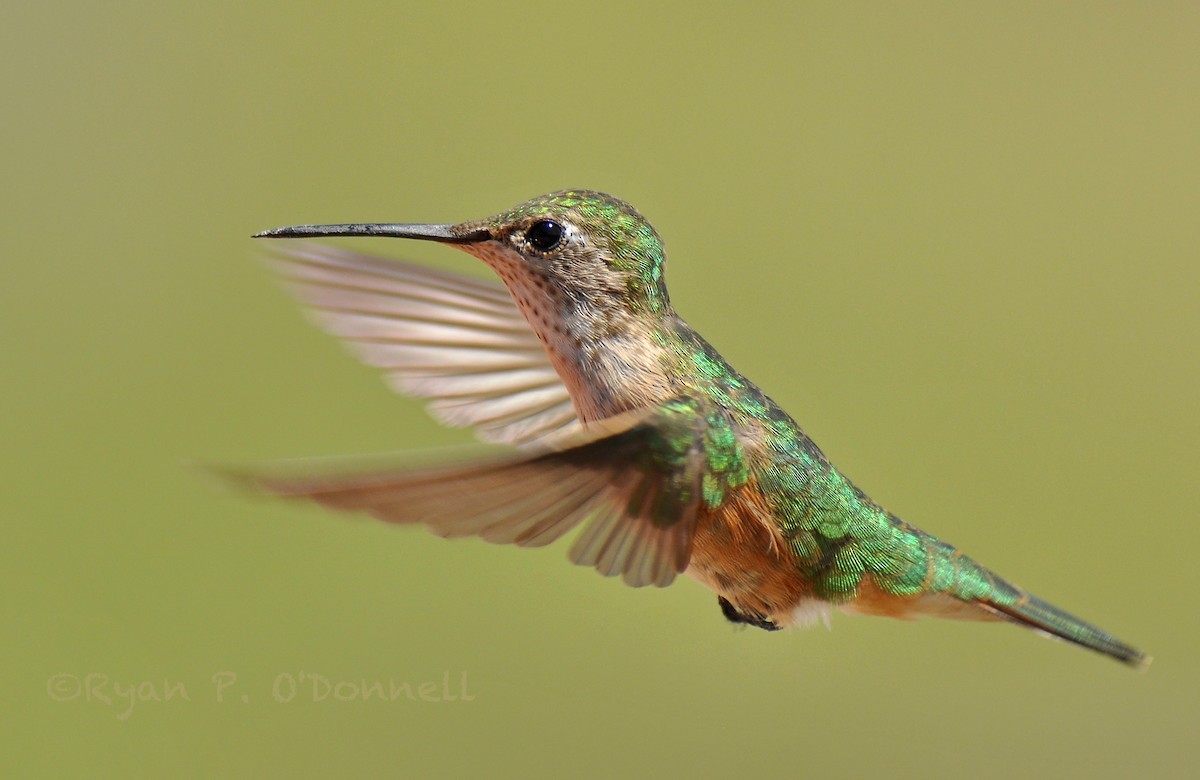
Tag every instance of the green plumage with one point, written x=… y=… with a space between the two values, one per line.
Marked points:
x=839 y=536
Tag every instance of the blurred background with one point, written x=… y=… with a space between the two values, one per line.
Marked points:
x=957 y=242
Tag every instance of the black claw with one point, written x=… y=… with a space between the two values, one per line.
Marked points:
x=733 y=616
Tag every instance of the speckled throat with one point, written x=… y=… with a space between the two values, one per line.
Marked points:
x=608 y=357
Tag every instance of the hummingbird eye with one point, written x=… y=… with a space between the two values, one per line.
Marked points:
x=544 y=235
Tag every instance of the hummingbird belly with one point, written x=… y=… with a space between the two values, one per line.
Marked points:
x=740 y=554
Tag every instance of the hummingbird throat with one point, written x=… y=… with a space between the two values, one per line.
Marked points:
x=607 y=358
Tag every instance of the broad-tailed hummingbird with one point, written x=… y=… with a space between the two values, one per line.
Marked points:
x=625 y=422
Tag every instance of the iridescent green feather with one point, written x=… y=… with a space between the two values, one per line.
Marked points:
x=839 y=536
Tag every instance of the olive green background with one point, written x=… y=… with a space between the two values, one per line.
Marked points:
x=958 y=241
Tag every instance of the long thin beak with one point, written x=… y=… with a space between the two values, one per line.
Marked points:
x=447 y=234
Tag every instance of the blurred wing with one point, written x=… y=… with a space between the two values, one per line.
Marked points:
x=639 y=510
x=458 y=341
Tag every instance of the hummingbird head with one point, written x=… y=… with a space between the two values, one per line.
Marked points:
x=590 y=248
x=582 y=249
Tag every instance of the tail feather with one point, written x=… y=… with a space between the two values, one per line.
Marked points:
x=1032 y=612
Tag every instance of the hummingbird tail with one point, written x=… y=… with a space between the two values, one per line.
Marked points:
x=1032 y=612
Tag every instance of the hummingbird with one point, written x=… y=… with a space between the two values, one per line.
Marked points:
x=622 y=421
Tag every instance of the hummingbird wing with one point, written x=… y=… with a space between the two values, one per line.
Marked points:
x=634 y=481
x=460 y=342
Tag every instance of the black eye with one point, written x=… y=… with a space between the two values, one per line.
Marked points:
x=545 y=235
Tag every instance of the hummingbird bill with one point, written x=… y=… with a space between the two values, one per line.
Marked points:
x=622 y=423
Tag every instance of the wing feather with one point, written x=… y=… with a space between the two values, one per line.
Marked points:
x=638 y=513
x=459 y=342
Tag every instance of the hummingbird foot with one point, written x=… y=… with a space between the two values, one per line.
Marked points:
x=733 y=616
